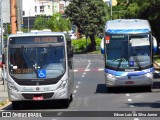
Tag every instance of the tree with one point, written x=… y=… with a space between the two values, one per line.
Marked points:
x=56 y=23
x=40 y=23
x=89 y=17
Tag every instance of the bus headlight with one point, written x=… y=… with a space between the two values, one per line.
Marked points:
x=62 y=85
x=149 y=75
x=12 y=87
x=110 y=75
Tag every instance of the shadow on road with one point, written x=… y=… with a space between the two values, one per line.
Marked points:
x=56 y=104
x=146 y=104
x=101 y=88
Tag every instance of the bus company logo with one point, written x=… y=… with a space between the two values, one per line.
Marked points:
x=37 y=88
x=6 y=114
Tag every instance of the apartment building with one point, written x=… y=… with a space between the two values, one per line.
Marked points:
x=43 y=7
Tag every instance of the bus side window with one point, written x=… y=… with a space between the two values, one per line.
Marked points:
x=70 y=53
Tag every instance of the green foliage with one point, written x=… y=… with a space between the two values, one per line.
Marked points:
x=80 y=44
x=41 y=23
x=89 y=16
x=56 y=23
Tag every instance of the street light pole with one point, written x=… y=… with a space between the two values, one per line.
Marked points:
x=2 y=44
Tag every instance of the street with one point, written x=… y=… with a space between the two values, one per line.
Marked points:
x=90 y=94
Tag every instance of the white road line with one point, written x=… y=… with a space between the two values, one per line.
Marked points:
x=59 y=113
x=87 y=70
x=132 y=106
x=127 y=94
x=77 y=86
x=75 y=70
x=136 y=118
x=79 y=82
x=101 y=69
x=82 y=75
x=74 y=91
x=130 y=100
x=73 y=96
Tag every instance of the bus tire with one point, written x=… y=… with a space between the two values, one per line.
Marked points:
x=109 y=89
x=15 y=105
x=71 y=98
x=148 y=88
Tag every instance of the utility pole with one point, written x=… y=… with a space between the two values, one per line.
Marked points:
x=18 y=16
x=13 y=17
x=111 y=8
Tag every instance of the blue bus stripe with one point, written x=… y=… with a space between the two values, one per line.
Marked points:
x=134 y=73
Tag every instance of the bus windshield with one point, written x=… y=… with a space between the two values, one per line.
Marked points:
x=36 y=61
x=128 y=51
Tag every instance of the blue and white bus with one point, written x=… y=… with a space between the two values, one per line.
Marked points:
x=39 y=67
x=128 y=48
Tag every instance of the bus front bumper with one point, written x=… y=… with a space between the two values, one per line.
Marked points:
x=40 y=95
x=116 y=81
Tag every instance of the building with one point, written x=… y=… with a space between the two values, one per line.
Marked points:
x=43 y=7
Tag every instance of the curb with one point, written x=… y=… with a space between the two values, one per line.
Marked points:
x=6 y=104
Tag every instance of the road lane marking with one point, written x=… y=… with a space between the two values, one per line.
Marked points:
x=127 y=94
x=101 y=69
x=132 y=106
x=75 y=70
x=79 y=82
x=136 y=118
x=74 y=91
x=77 y=86
x=87 y=70
x=130 y=100
x=59 y=113
x=82 y=75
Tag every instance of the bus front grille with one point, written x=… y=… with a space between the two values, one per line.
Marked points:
x=30 y=96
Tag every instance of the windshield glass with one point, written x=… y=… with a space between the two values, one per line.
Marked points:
x=37 y=61
x=128 y=51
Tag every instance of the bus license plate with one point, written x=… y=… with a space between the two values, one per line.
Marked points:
x=129 y=82
x=38 y=98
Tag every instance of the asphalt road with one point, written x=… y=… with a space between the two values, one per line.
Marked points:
x=90 y=94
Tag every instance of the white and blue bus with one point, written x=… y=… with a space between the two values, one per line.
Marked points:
x=39 y=67
x=128 y=48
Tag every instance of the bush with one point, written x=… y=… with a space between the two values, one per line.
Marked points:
x=80 y=44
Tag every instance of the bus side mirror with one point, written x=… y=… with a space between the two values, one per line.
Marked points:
x=102 y=46
x=71 y=53
x=155 y=48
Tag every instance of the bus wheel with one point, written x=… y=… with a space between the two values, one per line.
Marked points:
x=110 y=89
x=148 y=88
x=71 y=98
x=15 y=105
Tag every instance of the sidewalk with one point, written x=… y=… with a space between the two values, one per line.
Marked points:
x=3 y=94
